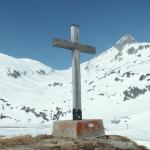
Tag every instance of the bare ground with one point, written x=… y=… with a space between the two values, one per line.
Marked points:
x=48 y=142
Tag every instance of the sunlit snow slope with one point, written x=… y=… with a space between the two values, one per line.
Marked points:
x=115 y=87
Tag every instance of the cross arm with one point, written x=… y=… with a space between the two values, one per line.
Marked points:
x=73 y=46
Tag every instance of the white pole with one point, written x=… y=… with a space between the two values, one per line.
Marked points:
x=76 y=76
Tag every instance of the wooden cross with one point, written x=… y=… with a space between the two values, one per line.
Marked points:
x=76 y=47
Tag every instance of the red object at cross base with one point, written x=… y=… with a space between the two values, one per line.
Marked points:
x=89 y=128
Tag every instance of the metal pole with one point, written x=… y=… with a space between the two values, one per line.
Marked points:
x=76 y=76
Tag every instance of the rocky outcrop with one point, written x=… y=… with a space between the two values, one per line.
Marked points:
x=44 y=142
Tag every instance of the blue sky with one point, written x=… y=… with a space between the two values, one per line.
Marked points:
x=28 y=26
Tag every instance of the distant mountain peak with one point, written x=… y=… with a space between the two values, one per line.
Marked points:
x=126 y=39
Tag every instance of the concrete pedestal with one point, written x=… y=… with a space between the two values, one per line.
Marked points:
x=78 y=128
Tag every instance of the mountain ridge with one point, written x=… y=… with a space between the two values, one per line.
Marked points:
x=115 y=87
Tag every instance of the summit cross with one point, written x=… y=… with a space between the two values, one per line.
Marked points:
x=76 y=48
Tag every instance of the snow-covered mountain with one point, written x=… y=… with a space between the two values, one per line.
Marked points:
x=115 y=87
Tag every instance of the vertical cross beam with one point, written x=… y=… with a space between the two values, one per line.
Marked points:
x=75 y=47
x=76 y=76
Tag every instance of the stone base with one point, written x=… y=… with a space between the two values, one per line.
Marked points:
x=78 y=128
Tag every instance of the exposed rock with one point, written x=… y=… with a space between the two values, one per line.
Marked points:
x=4 y=116
x=90 y=90
x=117 y=79
x=13 y=73
x=58 y=114
x=44 y=142
x=128 y=74
x=3 y=100
x=127 y=39
x=41 y=72
x=142 y=77
x=133 y=92
x=32 y=110
x=115 y=121
x=131 y=51
x=55 y=84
